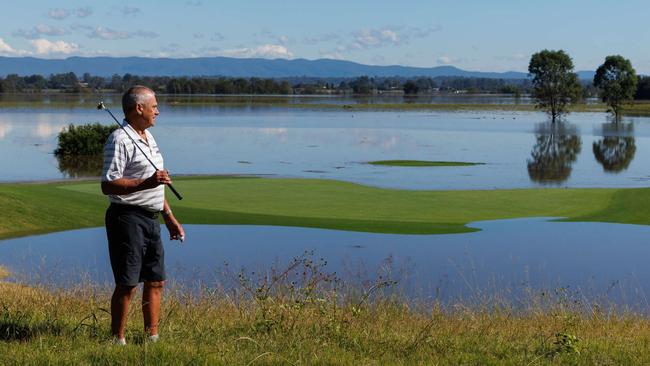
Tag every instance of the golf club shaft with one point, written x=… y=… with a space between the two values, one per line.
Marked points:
x=102 y=106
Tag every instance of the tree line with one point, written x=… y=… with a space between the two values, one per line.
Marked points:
x=364 y=85
x=568 y=90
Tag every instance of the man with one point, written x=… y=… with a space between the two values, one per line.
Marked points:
x=136 y=193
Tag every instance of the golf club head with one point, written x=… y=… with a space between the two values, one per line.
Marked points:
x=101 y=105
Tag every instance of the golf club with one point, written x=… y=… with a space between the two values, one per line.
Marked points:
x=102 y=106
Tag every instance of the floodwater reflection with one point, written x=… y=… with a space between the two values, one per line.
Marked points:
x=616 y=150
x=556 y=149
x=80 y=166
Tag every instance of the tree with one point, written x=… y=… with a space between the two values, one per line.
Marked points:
x=643 y=88
x=555 y=85
x=410 y=87
x=363 y=85
x=617 y=82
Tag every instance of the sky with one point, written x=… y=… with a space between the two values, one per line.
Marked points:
x=496 y=35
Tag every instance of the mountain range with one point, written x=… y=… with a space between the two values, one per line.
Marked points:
x=235 y=67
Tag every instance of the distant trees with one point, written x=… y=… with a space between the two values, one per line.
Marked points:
x=363 y=85
x=617 y=82
x=555 y=85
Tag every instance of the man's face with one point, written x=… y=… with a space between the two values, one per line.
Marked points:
x=149 y=111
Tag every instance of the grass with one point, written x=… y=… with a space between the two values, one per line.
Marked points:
x=47 y=207
x=311 y=319
x=420 y=163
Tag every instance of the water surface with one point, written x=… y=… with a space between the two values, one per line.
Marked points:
x=507 y=258
x=519 y=149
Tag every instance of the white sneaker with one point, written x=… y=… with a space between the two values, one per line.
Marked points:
x=153 y=338
x=119 y=342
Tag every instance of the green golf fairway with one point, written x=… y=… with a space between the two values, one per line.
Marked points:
x=420 y=163
x=31 y=208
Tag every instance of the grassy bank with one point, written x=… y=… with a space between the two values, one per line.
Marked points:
x=312 y=324
x=46 y=207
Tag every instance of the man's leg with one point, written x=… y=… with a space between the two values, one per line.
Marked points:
x=120 y=309
x=151 y=296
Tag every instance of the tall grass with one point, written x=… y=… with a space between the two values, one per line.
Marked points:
x=299 y=314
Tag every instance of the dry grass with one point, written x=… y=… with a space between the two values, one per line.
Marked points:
x=311 y=318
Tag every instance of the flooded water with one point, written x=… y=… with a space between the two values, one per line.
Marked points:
x=506 y=258
x=519 y=149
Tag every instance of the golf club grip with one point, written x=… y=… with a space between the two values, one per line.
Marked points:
x=178 y=195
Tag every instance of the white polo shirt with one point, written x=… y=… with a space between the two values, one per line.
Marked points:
x=122 y=159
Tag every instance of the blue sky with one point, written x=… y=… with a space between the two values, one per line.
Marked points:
x=497 y=35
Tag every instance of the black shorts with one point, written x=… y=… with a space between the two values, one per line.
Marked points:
x=134 y=245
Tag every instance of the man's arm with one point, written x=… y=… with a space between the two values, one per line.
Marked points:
x=175 y=229
x=123 y=186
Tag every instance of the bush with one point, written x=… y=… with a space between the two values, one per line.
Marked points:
x=84 y=140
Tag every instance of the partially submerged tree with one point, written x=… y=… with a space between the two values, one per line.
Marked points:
x=80 y=149
x=555 y=85
x=617 y=82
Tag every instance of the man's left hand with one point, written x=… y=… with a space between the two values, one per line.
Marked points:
x=175 y=229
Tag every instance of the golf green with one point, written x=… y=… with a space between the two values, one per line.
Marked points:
x=47 y=207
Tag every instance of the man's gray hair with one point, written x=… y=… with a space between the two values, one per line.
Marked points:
x=136 y=94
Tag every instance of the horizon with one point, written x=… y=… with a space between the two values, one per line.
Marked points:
x=484 y=37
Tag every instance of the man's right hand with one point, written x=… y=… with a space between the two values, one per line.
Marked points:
x=126 y=186
x=158 y=178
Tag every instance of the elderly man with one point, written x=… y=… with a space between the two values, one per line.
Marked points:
x=136 y=193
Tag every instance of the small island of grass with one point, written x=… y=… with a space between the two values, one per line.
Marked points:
x=421 y=163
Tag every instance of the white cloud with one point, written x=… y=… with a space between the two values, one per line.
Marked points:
x=264 y=51
x=39 y=31
x=46 y=47
x=58 y=13
x=370 y=38
x=84 y=12
x=334 y=55
x=7 y=50
x=445 y=60
x=112 y=34
x=364 y=39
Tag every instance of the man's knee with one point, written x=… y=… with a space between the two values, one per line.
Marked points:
x=124 y=290
x=155 y=284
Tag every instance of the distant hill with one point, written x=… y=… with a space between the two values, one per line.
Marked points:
x=233 y=67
